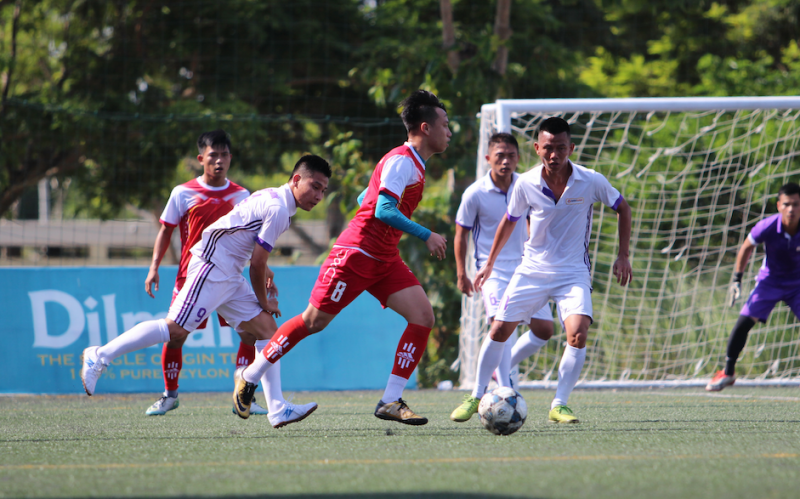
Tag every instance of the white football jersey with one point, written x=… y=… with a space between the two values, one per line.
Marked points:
x=482 y=207
x=560 y=231
x=260 y=219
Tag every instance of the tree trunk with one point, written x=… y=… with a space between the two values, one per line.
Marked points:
x=449 y=35
x=502 y=28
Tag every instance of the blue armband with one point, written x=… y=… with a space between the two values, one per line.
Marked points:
x=386 y=211
x=361 y=197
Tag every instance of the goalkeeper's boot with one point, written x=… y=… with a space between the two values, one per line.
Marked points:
x=291 y=414
x=398 y=411
x=720 y=381
x=467 y=408
x=562 y=414
x=162 y=406
x=255 y=409
x=91 y=369
x=243 y=393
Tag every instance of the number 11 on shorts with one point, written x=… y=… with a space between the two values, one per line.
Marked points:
x=338 y=291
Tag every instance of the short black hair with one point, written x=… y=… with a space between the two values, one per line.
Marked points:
x=311 y=163
x=789 y=189
x=503 y=138
x=214 y=139
x=554 y=126
x=420 y=107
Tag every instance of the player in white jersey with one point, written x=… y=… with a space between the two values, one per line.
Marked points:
x=558 y=196
x=483 y=205
x=215 y=281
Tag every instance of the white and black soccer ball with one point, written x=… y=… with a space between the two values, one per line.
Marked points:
x=503 y=411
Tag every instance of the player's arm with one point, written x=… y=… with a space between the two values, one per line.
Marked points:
x=261 y=278
x=742 y=257
x=622 y=266
x=504 y=231
x=386 y=211
x=159 y=250
x=464 y=283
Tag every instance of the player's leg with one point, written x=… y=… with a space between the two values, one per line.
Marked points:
x=261 y=325
x=524 y=295
x=171 y=365
x=340 y=281
x=569 y=370
x=503 y=374
x=489 y=358
x=244 y=357
x=574 y=303
x=95 y=359
x=541 y=330
x=413 y=305
x=758 y=306
x=206 y=287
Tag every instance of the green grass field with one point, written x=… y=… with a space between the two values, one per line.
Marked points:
x=744 y=442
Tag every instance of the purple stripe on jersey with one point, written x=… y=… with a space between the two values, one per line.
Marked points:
x=264 y=244
x=512 y=218
x=617 y=203
x=547 y=192
x=464 y=226
x=273 y=194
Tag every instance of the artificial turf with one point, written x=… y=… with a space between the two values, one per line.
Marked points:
x=743 y=442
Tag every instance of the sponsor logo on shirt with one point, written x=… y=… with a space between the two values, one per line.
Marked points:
x=574 y=200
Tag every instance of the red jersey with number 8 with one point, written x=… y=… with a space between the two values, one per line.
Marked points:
x=400 y=174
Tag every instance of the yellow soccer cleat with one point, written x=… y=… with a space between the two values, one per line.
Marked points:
x=562 y=414
x=243 y=393
x=466 y=409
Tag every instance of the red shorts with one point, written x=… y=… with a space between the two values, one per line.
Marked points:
x=347 y=273
x=179 y=282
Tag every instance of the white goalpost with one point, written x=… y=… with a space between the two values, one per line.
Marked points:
x=698 y=173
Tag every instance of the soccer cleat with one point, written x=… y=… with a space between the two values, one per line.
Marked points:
x=291 y=414
x=91 y=369
x=398 y=411
x=562 y=414
x=720 y=381
x=243 y=393
x=255 y=409
x=162 y=406
x=466 y=409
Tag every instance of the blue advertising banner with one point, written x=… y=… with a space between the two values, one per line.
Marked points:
x=51 y=314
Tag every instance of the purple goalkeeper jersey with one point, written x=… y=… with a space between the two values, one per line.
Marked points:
x=782 y=260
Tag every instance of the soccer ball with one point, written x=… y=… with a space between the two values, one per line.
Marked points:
x=503 y=411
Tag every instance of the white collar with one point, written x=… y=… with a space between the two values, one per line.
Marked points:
x=210 y=188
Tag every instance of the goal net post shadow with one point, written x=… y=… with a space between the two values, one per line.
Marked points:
x=698 y=174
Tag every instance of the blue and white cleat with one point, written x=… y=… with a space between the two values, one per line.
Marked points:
x=91 y=369
x=162 y=406
x=291 y=414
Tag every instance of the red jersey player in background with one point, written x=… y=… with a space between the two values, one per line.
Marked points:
x=365 y=258
x=192 y=207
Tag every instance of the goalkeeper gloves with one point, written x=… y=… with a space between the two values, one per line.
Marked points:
x=735 y=289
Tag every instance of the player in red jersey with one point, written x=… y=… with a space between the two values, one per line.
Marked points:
x=365 y=258
x=192 y=207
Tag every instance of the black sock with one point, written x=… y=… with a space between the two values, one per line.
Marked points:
x=737 y=341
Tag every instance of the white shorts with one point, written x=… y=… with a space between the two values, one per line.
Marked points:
x=495 y=286
x=207 y=289
x=529 y=291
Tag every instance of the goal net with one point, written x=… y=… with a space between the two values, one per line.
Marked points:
x=698 y=173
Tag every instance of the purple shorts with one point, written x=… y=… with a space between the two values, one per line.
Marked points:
x=766 y=295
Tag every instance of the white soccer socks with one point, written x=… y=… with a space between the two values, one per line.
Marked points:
x=568 y=373
x=503 y=371
x=270 y=380
x=488 y=360
x=142 y=335
x=527 y=345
